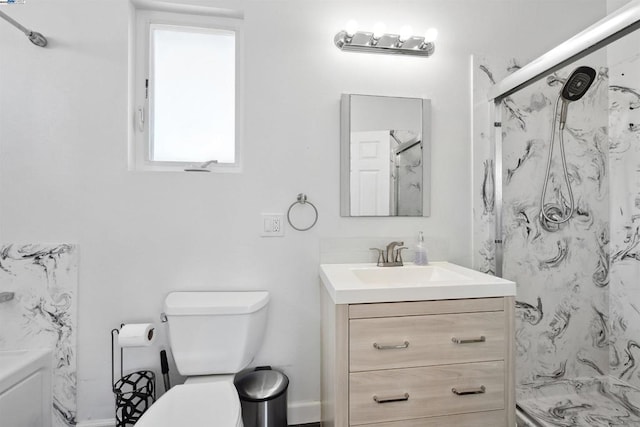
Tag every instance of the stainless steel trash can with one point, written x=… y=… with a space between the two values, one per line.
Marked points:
x=263 y=396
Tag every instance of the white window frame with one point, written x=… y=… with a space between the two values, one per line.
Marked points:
x=139 y=151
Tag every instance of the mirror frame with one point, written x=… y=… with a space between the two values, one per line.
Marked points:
x=345 y=160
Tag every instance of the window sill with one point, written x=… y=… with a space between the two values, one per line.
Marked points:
x=187 y=168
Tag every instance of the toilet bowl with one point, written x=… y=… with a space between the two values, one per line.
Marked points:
x=212 y=335
x=195 y=405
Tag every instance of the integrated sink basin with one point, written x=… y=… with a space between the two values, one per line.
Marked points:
x=367 y=283
x=407 y=275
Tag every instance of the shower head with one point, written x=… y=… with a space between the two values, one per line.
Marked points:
x=574 y=88
x=37 y=39
x=553 y=215
x=578 y=83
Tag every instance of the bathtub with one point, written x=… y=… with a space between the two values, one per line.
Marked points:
x=25 y=388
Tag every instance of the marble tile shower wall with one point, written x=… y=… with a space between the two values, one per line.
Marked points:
x=409 y=176
x=562 y=298
x=43 y=313
x=562 y=276
x=568 y=317
x=486 y=72
x=623 y=333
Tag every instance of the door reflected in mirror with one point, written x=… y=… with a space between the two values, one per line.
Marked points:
x=385 y=155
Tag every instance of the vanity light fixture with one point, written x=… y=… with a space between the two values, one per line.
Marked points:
x=378 y=41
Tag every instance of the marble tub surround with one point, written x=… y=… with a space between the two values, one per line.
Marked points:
x=43 y=313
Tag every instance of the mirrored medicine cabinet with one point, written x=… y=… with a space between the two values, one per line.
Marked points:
x=384 y=156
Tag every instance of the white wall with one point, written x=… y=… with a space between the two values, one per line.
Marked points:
x=613 y=5
x=64 y=177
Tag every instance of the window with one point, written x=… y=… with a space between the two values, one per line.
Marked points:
x=186 y=92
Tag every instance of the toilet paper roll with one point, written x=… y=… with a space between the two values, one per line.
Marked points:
x=137 y=335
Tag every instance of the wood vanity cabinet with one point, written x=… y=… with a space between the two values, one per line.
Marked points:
x=418 y=364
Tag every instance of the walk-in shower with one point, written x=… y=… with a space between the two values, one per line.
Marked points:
x=566 y=226
x=35 y=37
x=406 y=173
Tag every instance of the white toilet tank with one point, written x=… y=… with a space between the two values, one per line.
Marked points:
x=215 y=332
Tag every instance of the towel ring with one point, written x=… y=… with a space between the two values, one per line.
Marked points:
x=302 y=199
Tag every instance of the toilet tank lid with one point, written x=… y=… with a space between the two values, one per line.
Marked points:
x=203 y=302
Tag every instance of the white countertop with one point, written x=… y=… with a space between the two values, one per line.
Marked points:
x=367 y=283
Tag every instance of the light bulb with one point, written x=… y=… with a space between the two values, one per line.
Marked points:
x=351 y=27
x=405 y=32
x=378 y=30
x=431 y=35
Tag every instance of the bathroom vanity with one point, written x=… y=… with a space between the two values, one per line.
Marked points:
x=416 y=346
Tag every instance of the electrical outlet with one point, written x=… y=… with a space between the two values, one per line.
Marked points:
x=272 y=225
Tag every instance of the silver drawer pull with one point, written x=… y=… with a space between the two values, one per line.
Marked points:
x=468 y=340
x=390 y=347
x=462 y=392
x=402 y=398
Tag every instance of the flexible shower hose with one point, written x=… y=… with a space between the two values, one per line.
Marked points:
x=553 y=213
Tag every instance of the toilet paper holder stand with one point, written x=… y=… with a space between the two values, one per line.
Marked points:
x=134 y=392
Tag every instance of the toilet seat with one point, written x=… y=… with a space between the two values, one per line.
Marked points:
x=195 y=405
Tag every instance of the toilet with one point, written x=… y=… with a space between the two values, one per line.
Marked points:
x=213 y=336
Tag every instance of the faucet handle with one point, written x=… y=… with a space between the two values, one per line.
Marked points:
x=399 y=254
x=381 y=260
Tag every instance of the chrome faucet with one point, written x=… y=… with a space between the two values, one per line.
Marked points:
x=392 y=256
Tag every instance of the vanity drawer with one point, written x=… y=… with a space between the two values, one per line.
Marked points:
x=412 y=341
x=473 y=419
x=404 y=394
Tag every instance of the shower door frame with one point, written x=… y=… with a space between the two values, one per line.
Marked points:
x=609 y=29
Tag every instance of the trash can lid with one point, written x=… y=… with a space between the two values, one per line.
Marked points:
x=261 y=385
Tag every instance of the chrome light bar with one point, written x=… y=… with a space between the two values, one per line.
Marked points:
x=362 y=41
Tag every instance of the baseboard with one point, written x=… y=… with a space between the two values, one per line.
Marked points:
x=111 y=422
x=297 y=413
x=303 y=412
